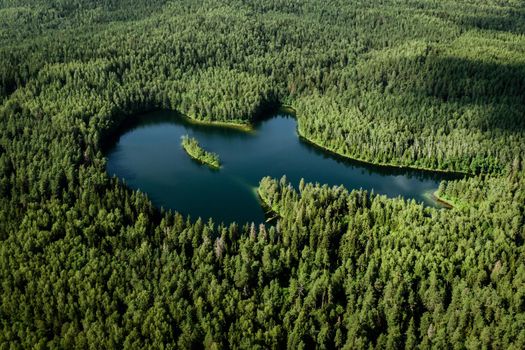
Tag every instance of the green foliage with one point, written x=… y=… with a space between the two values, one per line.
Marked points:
x=85 y=262
x=194 y=150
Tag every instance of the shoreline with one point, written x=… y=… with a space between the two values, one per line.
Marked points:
x=247 y=127
x=291 y=110
x=266 y=205
x=383 y=165
x=238 y=125
x=447 y=203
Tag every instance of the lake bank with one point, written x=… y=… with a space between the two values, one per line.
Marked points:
x=149 y=157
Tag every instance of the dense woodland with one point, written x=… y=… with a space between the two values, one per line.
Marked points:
x=87 y=263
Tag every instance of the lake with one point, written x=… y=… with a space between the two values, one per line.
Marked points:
x=148 y=155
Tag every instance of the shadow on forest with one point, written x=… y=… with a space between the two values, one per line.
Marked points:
x=508 y=18
x=514 y=23
x=498 y=89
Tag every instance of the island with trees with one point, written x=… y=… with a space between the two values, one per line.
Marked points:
x=195 y=151
x=87 y=262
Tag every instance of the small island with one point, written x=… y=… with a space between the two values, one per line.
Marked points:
x=194 y=150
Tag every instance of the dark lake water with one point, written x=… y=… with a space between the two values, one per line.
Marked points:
x=149 y=157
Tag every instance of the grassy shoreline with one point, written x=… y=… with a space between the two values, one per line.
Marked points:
x=247 y=127
x=446 y=201
x=432 y=196
x=234 y=124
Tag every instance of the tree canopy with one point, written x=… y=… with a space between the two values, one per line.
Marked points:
x=87 y=263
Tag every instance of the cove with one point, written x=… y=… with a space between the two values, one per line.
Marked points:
x=148 y=155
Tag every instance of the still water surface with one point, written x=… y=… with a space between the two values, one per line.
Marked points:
x=149 y=157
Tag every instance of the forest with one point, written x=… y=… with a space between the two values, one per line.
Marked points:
x=87 y=263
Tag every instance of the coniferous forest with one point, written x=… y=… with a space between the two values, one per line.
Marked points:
x=87 y=263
